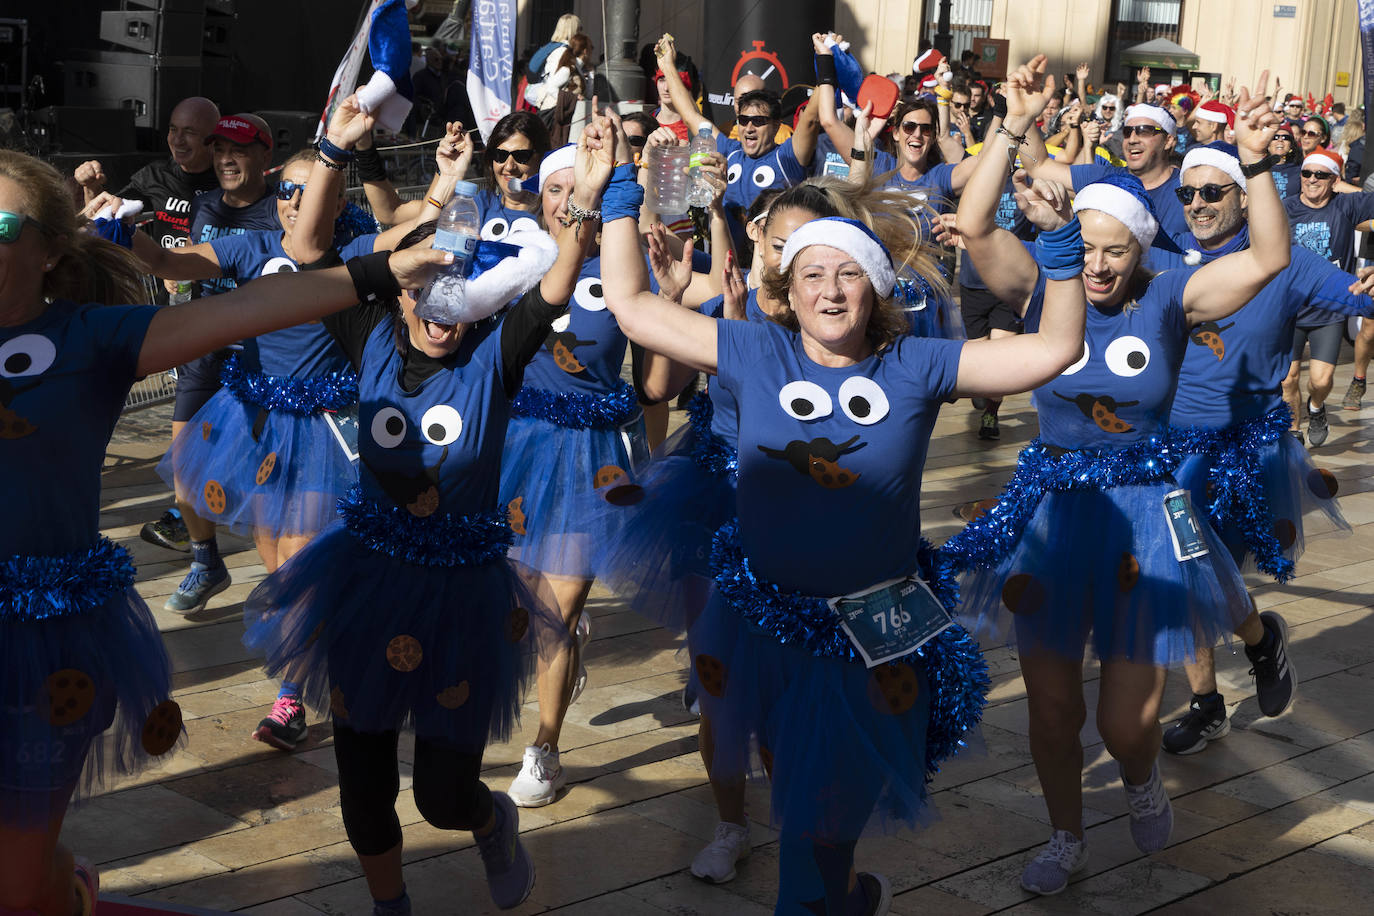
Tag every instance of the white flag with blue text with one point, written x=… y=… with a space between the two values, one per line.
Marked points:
x=491 y=61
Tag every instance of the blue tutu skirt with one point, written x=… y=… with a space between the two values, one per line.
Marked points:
x=554 y=481
x=281 y=479
x=1100 y=563
x=383 y=643
x=658 y=560
x=86 y=687
x=1272 y=496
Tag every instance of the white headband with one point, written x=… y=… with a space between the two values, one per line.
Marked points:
x=1153 y=113
x=1119 y=204
x=847 y=236
x=1321 y=160
x=1205 y=155
x=565 y=157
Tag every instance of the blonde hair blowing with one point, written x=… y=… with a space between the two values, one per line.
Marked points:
x=891 y=214
x=88 y=269
x=568 y=25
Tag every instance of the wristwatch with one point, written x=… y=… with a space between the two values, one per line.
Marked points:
x=1260 y=166
x=858 y=154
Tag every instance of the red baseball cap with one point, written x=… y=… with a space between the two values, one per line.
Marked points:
x=682 y=75
x=242 y=129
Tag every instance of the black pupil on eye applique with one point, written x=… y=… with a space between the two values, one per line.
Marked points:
x=395 y=426
x=860 y=407
x=595 y=290
x=802 y=407
x=437 y=431
x=18 y=362
x=1135 y=359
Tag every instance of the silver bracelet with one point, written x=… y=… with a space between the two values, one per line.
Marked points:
x=579 y=215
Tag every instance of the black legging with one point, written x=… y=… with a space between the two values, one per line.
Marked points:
x=448 y=790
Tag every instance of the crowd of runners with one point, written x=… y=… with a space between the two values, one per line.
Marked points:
x=434 y=501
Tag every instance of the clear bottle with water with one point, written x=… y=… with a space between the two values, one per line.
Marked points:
x=668 y=179
x=444 y=300
x=700 y=193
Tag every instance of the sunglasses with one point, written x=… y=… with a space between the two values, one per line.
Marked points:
x=1293 y=105
x=958 y=104
x=1313 y=133
x=1317 y=174
x=1286 y=138
x=752 y=120
x=1210 y=193
x=1145 y=130
x=917 y=127
x=635 y=141
x=1109 y=108
x=521 y=156
x=12 y=224
x=287 y=189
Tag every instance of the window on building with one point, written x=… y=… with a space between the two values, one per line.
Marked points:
x=1135 y=22
x=968 y=19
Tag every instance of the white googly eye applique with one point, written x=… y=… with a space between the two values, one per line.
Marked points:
x=805 y=401
x=441 y=425
x=524 y=224
x=763 y=176
x=279 y=266
x=589 y=294
x=1080 y=363
x=27 y=354
x=862 y=400
x=1127 y=356
x=495 y=229
x=388 y=427
x=733 y=173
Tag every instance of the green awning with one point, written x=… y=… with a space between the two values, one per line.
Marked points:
x=1161 y=54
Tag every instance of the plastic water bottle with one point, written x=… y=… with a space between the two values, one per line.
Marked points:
x=445 y=299
x=700 y=194
x=182 y=294
x=668 y=179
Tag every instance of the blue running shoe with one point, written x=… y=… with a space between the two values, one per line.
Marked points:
x=200 y=585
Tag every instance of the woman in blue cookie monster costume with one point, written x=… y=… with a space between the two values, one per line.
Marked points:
x=849 y=712
x=86 y=682
x=406 y=611
x=1093 y=539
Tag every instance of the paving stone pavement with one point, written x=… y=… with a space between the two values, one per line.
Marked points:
x=1278 y=817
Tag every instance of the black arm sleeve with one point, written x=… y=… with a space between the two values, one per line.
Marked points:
x=523 y=332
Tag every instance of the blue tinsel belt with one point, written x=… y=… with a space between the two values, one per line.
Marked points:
x=1041 y=469
x=1236 y=486
x=710 y=452
x=955 y=668
x=439 y=540
x=575 y=410
x=300 y=397
x=38 y=588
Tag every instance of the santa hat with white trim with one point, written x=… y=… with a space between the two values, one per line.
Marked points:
x=927 y=61
x=1216 y=112
x=1326 y=160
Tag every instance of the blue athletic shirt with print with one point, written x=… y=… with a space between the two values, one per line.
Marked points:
x=830 y=459
x=305 y=349
x=1330 y=230
x=212 y=218
x=498 y=220
x=1287 y=180
x=1121 y=389
x=586 y=348
x=63 y=380
x=747 y=176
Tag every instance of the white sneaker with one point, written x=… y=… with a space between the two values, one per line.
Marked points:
x=716 y=863
x=1049 y=872
x=541 y=776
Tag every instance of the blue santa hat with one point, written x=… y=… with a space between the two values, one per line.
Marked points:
x=388 y=94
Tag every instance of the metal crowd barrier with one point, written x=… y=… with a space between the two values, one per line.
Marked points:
x=160 y=387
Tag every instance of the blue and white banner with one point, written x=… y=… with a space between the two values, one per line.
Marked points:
x=491 y=62
x=346 y=75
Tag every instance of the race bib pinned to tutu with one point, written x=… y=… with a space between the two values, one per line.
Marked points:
x=1183 y=526
x=635 y=437
x=891 y=619
x=343 y=423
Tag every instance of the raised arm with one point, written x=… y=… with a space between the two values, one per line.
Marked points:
x=805 y=133
x=1034 y=90
x=683 y=103
x=1224 y=285
x=194 y=262
x=827 y=111
x=178 y=335
x=381 y=194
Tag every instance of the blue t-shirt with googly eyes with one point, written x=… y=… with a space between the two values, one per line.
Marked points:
x=63 y=380
x=437 y=448
x=830 y=459
x=498 y=220
x=585 y=348
x=303 y=350
x=1122 y=388
x=746 y=176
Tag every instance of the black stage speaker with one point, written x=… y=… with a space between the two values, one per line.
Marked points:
x=154 y=32
x=149 y=86
x=292 y=131
x=71 y=129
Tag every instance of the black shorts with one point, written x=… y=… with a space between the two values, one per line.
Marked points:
x=1325 y=340
x=197 y=382
x=983 y=311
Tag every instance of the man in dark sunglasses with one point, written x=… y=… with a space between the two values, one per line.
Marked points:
x=1230 y=381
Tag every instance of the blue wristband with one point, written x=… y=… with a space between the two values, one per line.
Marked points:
x=623 y=196
x=331 y=151
x=1059 y=252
